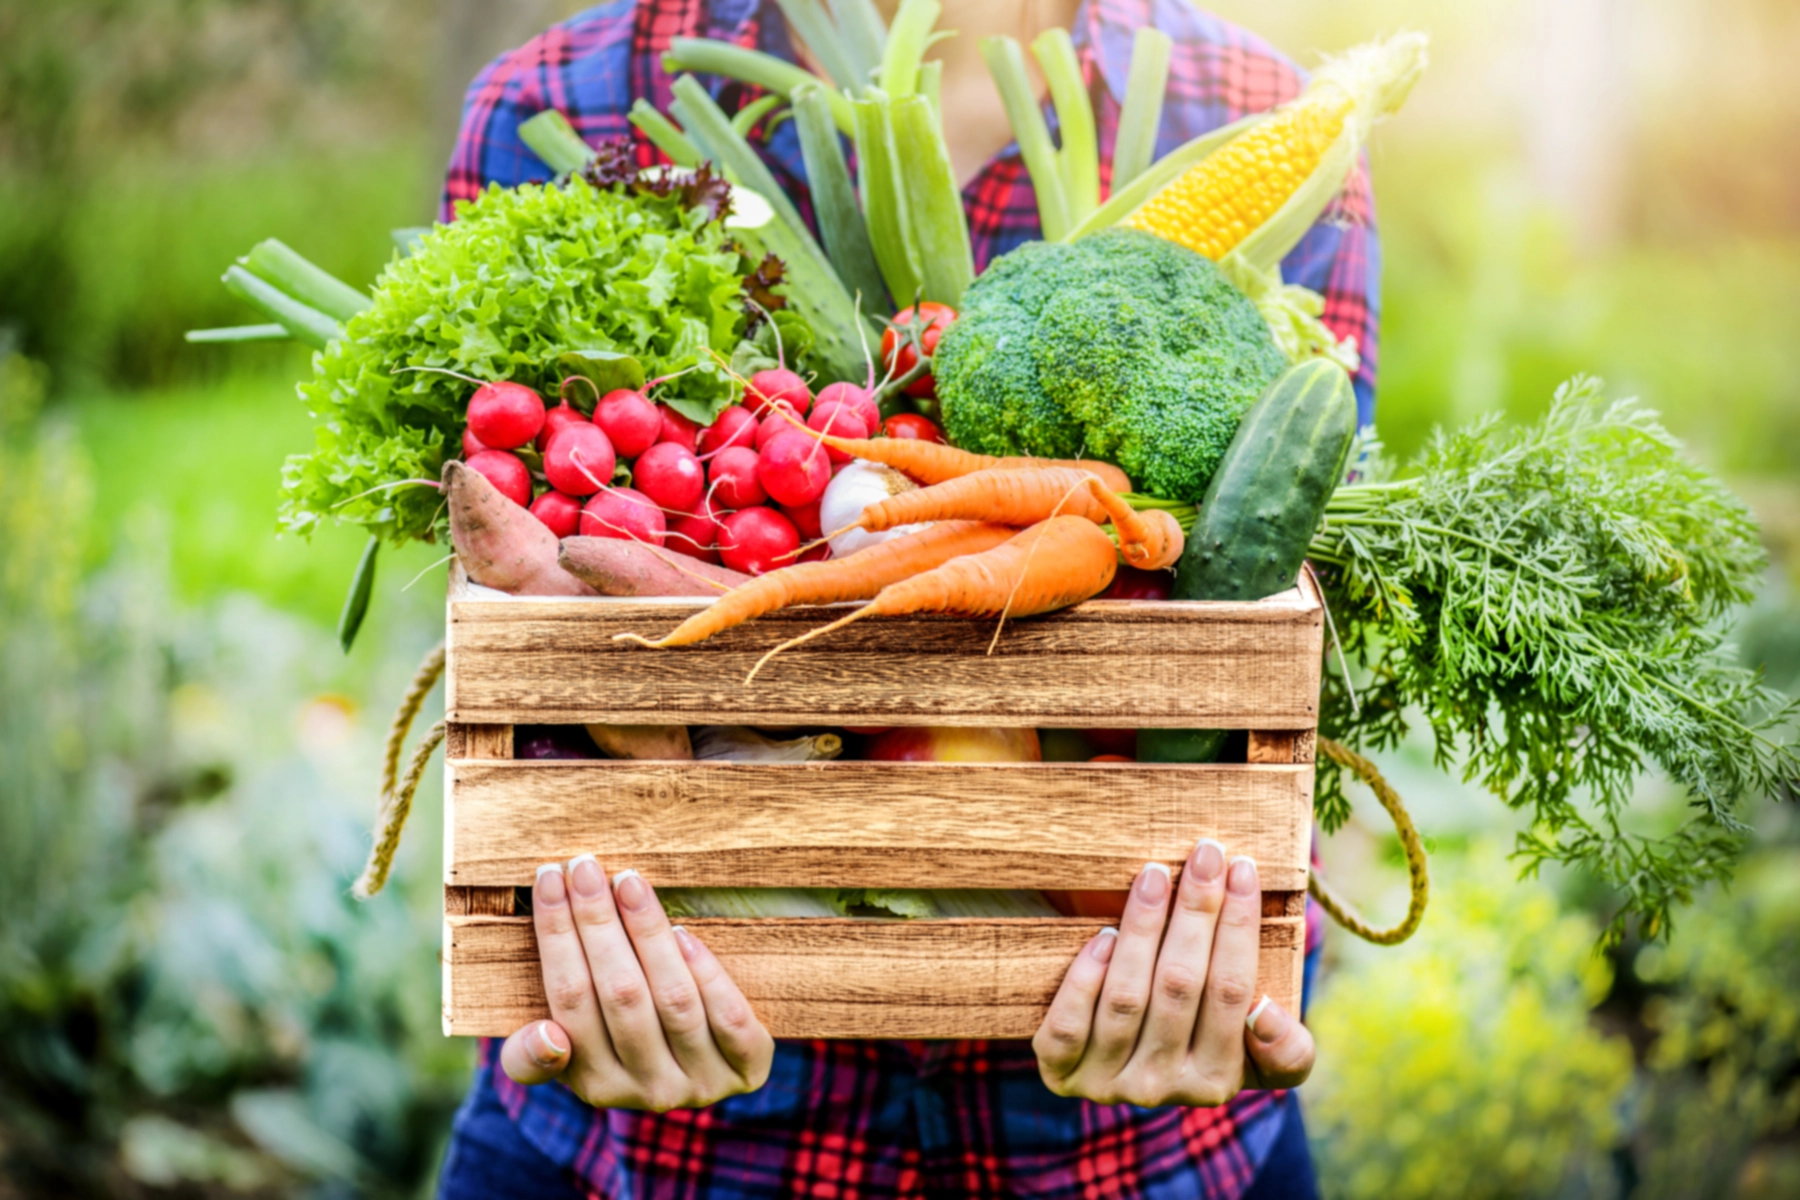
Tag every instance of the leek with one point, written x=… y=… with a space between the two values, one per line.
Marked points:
x=1006 y=63
x=239 y=333
x=306 y=323
x=1140 y=118
x=864 y=34
x=834 y=199
x=274 y=263
x=907 y=40
x=809 y=19
x=1078 y=161
x=746 y=117
x=663 y=134
x=884 y=199
x=554 y=140
x=711 y=57
x=934 y=210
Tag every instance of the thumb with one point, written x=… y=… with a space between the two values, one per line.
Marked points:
x=1280 y=1048
x=536 y=1053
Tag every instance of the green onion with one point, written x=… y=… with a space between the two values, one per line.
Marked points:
x=908 y=37
x=1140 y=118
x=239 y=333
x=834 y=199
x=1006 y=63
x=931 y=86
x=711 y=57
x=1079 y=158
x=554 y=140
x=746 y=117
x=663 y=134
x=934 y=204
x=305 y=323
x=864 y=33
x=820 y=33
x=883 y=197
x=274 y=263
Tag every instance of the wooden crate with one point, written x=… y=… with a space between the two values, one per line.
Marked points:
x=1118 y=664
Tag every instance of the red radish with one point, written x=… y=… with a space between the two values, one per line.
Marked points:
x=856 y=397
x=559 y=512
x=794 y=469
x=631 y=422
x=912 y=425
x=733 y=478
x=505 y=416
x=557 y=420
x=1131 y=583
x=818 y=553
x=670 y=475
x=579 y=460
x=805 y=518
x=777 y=385
x=754 y=540
x=779 y=421
x=677 y=429
x=503 y=469
x=623 y=513
x=733 y=427
x=697 y=535
x=839 y=419
x=471 y=445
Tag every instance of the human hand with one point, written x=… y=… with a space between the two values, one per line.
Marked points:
x=1150 y=1017
x=643 y=1015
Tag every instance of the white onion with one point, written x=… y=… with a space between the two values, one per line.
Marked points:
x=850 y=491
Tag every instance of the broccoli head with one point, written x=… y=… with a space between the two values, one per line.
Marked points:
x=1119 y=346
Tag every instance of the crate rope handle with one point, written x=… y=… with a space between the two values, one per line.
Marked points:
x=397 y=790
x=1410 y=843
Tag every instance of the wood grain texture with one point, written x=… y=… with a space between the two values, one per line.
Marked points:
x=479 y=901
x=467 y=743
x=841 y=978
x=1111 y=663
x=873 y=824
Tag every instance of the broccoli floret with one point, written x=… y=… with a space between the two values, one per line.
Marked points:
x=1119 y=346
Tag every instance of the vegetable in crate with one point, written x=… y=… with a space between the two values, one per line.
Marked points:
x=521 y=278
x=1122 y=346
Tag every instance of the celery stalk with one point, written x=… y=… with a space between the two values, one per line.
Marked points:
x=306 y=323
x=711 y=57
x=1140 y=118
x=883 y=197
x=554 y=140
x=273 y=262
x=933 y=203
x=663 y=134
x=1079 y=158
x=865 y=34
x=1126 y=200
x=1006 y=63
x=908 y=37
x=834 y=199
x=809 y=19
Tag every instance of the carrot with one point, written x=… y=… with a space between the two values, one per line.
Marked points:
x=1012 y=496
x=1053 y=564
x=616 y=567
x=857 y=577
x=501 y=545
x=932 y=462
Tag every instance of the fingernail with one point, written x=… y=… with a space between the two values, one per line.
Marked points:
x=690 y=947
x=547 y=1052
x=1242 y=880
x=549 y=889
x=1268 y=1020
x=630 y=888
x=1102 y=945
x=1153 y=883
x=1209 y=860
x=586 y=877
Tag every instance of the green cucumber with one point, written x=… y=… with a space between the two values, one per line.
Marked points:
x=1261 y=510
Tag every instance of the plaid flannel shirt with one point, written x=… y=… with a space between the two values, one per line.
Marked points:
x=867 y=1120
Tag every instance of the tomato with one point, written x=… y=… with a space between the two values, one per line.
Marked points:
x=1089 y=903
x=912 y=425
x=901 y=358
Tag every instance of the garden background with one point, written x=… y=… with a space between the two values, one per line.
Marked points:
x=191 y=1005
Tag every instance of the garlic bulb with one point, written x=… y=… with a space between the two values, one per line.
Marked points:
x=853 y=489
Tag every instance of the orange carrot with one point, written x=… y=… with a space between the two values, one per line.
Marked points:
x=857 y=577
x=932 y=462
x=1025 y=497
x=1054 y=564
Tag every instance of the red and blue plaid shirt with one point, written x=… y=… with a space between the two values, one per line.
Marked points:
x=866 y=1120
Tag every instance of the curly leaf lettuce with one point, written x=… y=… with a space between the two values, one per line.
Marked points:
x=522 y=277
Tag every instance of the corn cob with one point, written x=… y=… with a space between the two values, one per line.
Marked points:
x=1222 y=199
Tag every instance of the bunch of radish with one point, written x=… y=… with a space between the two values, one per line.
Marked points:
x=743 y=491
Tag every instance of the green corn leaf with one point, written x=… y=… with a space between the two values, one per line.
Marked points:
x=834 y=198
x=933 y=202
x=1079 y=158
x=356 y=602
x=1006 y=63
x=1141 y=115
x=1128 y=199
x=884 y=197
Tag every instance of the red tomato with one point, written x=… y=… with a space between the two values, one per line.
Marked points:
x=1089 y=904
x=912 y=425
x=900 y=357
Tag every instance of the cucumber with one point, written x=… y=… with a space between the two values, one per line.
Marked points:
x=1261 y=510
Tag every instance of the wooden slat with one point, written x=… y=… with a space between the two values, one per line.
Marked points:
x=463 y=742
x=873 y=824
x=479 y=901
x=1113 y=663
x=842 y=979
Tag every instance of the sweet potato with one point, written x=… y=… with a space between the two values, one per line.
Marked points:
x=501 y=545
x=643 y=741
x=615 y=567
